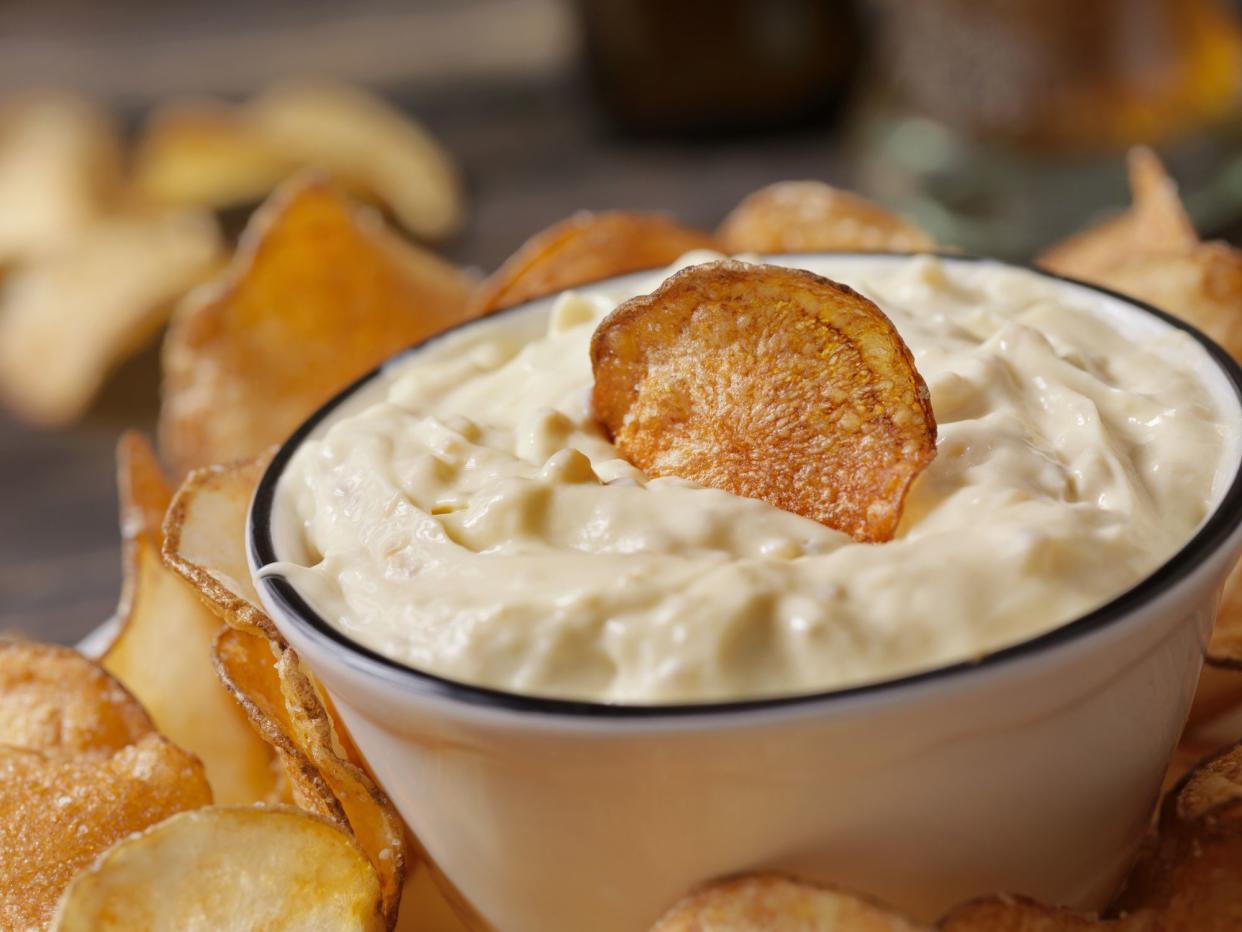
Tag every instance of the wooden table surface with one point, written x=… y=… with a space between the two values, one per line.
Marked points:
x=532 y=153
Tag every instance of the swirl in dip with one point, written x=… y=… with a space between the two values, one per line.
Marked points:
x=466 y=515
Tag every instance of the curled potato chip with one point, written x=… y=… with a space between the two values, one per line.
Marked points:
x=205 y=541
x=1156 y=224
x=366 y=144
x=58 y=812
x=773 y=903
x=810 y=216
x=205 y=154
x=163 y=650
x=54 y=700
x=60 y=168
x=285 y=708
x=771 y=383
x=585 y=248
x=227 y=868
x=318 y=294
x=1019 y=914
x=70 y=316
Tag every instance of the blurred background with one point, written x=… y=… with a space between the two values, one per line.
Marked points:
x=998 y=125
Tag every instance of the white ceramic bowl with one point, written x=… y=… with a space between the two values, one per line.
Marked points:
x=1033 y=770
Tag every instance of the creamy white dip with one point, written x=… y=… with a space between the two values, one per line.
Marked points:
x=467 y=516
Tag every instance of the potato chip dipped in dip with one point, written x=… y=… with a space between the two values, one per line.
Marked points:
x=497 y=510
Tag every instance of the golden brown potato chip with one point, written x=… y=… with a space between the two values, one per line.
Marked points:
x=771 y=383
x=585 y=248
x=810 y=216
x=227 y=868
x=318 y=294
x=68 y=318
x=285 y=708
x=366 y=144
x=54 y=700
x=772 y=903
x=163 y=650
x=205 y=541
x=1202 y=287
x=205 y=154
x=60 y=169
x=58 y=812
x=1156 y=224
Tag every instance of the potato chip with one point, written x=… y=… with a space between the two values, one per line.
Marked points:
x=366 y=144
x=318 y=294
x=163 y=650
x=810 y=216
x=58 y=812
x=1156 y=224
x=69 y=317
x=205 y=541
x=1202 y=287
x=771 y=383
x=227 y=868
x=585 y=248
x=54 y=700
x=772 y=903
x=285 y=707
x=60 y=169
x=205 y=154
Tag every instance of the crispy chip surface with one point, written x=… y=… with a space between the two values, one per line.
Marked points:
x=205 y=154
x=585 y=248
x=163 y=651
x=318 y=294
x=60 y=169
x=1018 y=914
x=772 y=903
x=770 y=383
x=68 y=318
x=227 y=868
x=54 y=700
x=58 y=812
x=810 y=216
x=366 y=144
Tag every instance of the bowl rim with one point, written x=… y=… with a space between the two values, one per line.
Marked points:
x=283 y=597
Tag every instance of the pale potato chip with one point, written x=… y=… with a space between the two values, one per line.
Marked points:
x=772 y=903
x=194 y=153
x=318 y=294
x=54 y=700
x=205 y=541
x=285 y=707
x=585 y=248
x=163 y=651
x=58 y=812
x=810 y=216
x=770 y=383
x=1155 y=225
x=70 y=316
x=227 y=868
x=366 y=144
x=60 y=169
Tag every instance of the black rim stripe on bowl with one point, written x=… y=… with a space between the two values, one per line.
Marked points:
x=1212 y=534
